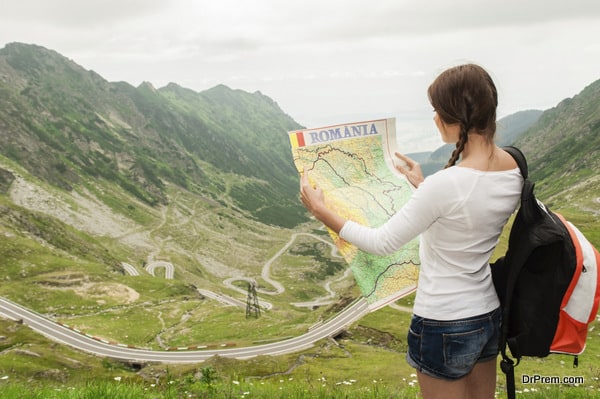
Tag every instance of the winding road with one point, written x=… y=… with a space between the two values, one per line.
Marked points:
x=279 y=288
x=68 y=336
x=265 y=274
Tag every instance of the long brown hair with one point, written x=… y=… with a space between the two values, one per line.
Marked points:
x=466 y=95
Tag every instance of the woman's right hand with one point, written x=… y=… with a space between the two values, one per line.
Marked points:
x=313 y=199
x=411 y=169
x=311 y=195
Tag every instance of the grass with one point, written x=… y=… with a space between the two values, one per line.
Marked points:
x=282 y=389
x=367 y=361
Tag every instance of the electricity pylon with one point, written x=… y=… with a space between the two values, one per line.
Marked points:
x=252 y=307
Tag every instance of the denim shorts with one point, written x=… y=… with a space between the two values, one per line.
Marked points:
x=450 y=349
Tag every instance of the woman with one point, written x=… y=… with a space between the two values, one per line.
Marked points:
x=459 y=212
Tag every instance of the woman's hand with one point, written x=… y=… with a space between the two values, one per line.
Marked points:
x=312 y=196
x=314 y=200
x=412 y=170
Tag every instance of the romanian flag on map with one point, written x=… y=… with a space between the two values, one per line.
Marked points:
x=297 y=139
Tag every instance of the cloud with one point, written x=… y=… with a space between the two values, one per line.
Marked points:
x=325 y=22
x=325 y=62
x=79 y=14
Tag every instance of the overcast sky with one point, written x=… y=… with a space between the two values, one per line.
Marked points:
x=326 y=61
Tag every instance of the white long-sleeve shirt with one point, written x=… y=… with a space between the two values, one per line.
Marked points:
x=459 y=213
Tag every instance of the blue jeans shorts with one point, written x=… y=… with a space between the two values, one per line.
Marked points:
x=450 y=349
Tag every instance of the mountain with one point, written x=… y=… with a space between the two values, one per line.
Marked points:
x=563 y=147
x=121 y=201
x=65 y=125
x=511 y=127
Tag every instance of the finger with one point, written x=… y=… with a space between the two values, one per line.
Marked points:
x=404 y=158
x=307 y=188
x=401 y=169
x=304 y=180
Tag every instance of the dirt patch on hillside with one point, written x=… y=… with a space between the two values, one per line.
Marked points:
x=114 y=291
x=99 y=291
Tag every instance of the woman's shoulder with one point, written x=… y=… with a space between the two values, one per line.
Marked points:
x=454 y=176
x=441 y=180
x=445 y=174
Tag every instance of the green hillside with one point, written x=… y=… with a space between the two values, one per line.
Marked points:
x=563 y=149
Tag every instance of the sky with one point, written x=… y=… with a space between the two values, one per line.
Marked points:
x=327 y=62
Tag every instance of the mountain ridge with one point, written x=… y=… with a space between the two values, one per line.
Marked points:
x=64 y=124
x=74 y=123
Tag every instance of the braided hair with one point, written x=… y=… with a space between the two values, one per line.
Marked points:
x=465 y=95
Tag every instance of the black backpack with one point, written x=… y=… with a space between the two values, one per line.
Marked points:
x=547 y=283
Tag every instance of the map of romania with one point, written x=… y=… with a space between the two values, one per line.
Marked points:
x=353 y=164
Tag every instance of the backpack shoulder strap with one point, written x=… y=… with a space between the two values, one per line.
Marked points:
x=519 y=158
x=530 y=207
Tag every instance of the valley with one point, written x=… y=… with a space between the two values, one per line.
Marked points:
x=178 y=243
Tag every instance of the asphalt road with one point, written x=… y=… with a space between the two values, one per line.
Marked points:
x=66 y=335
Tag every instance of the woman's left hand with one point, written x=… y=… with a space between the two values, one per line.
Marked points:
x=412 y=170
